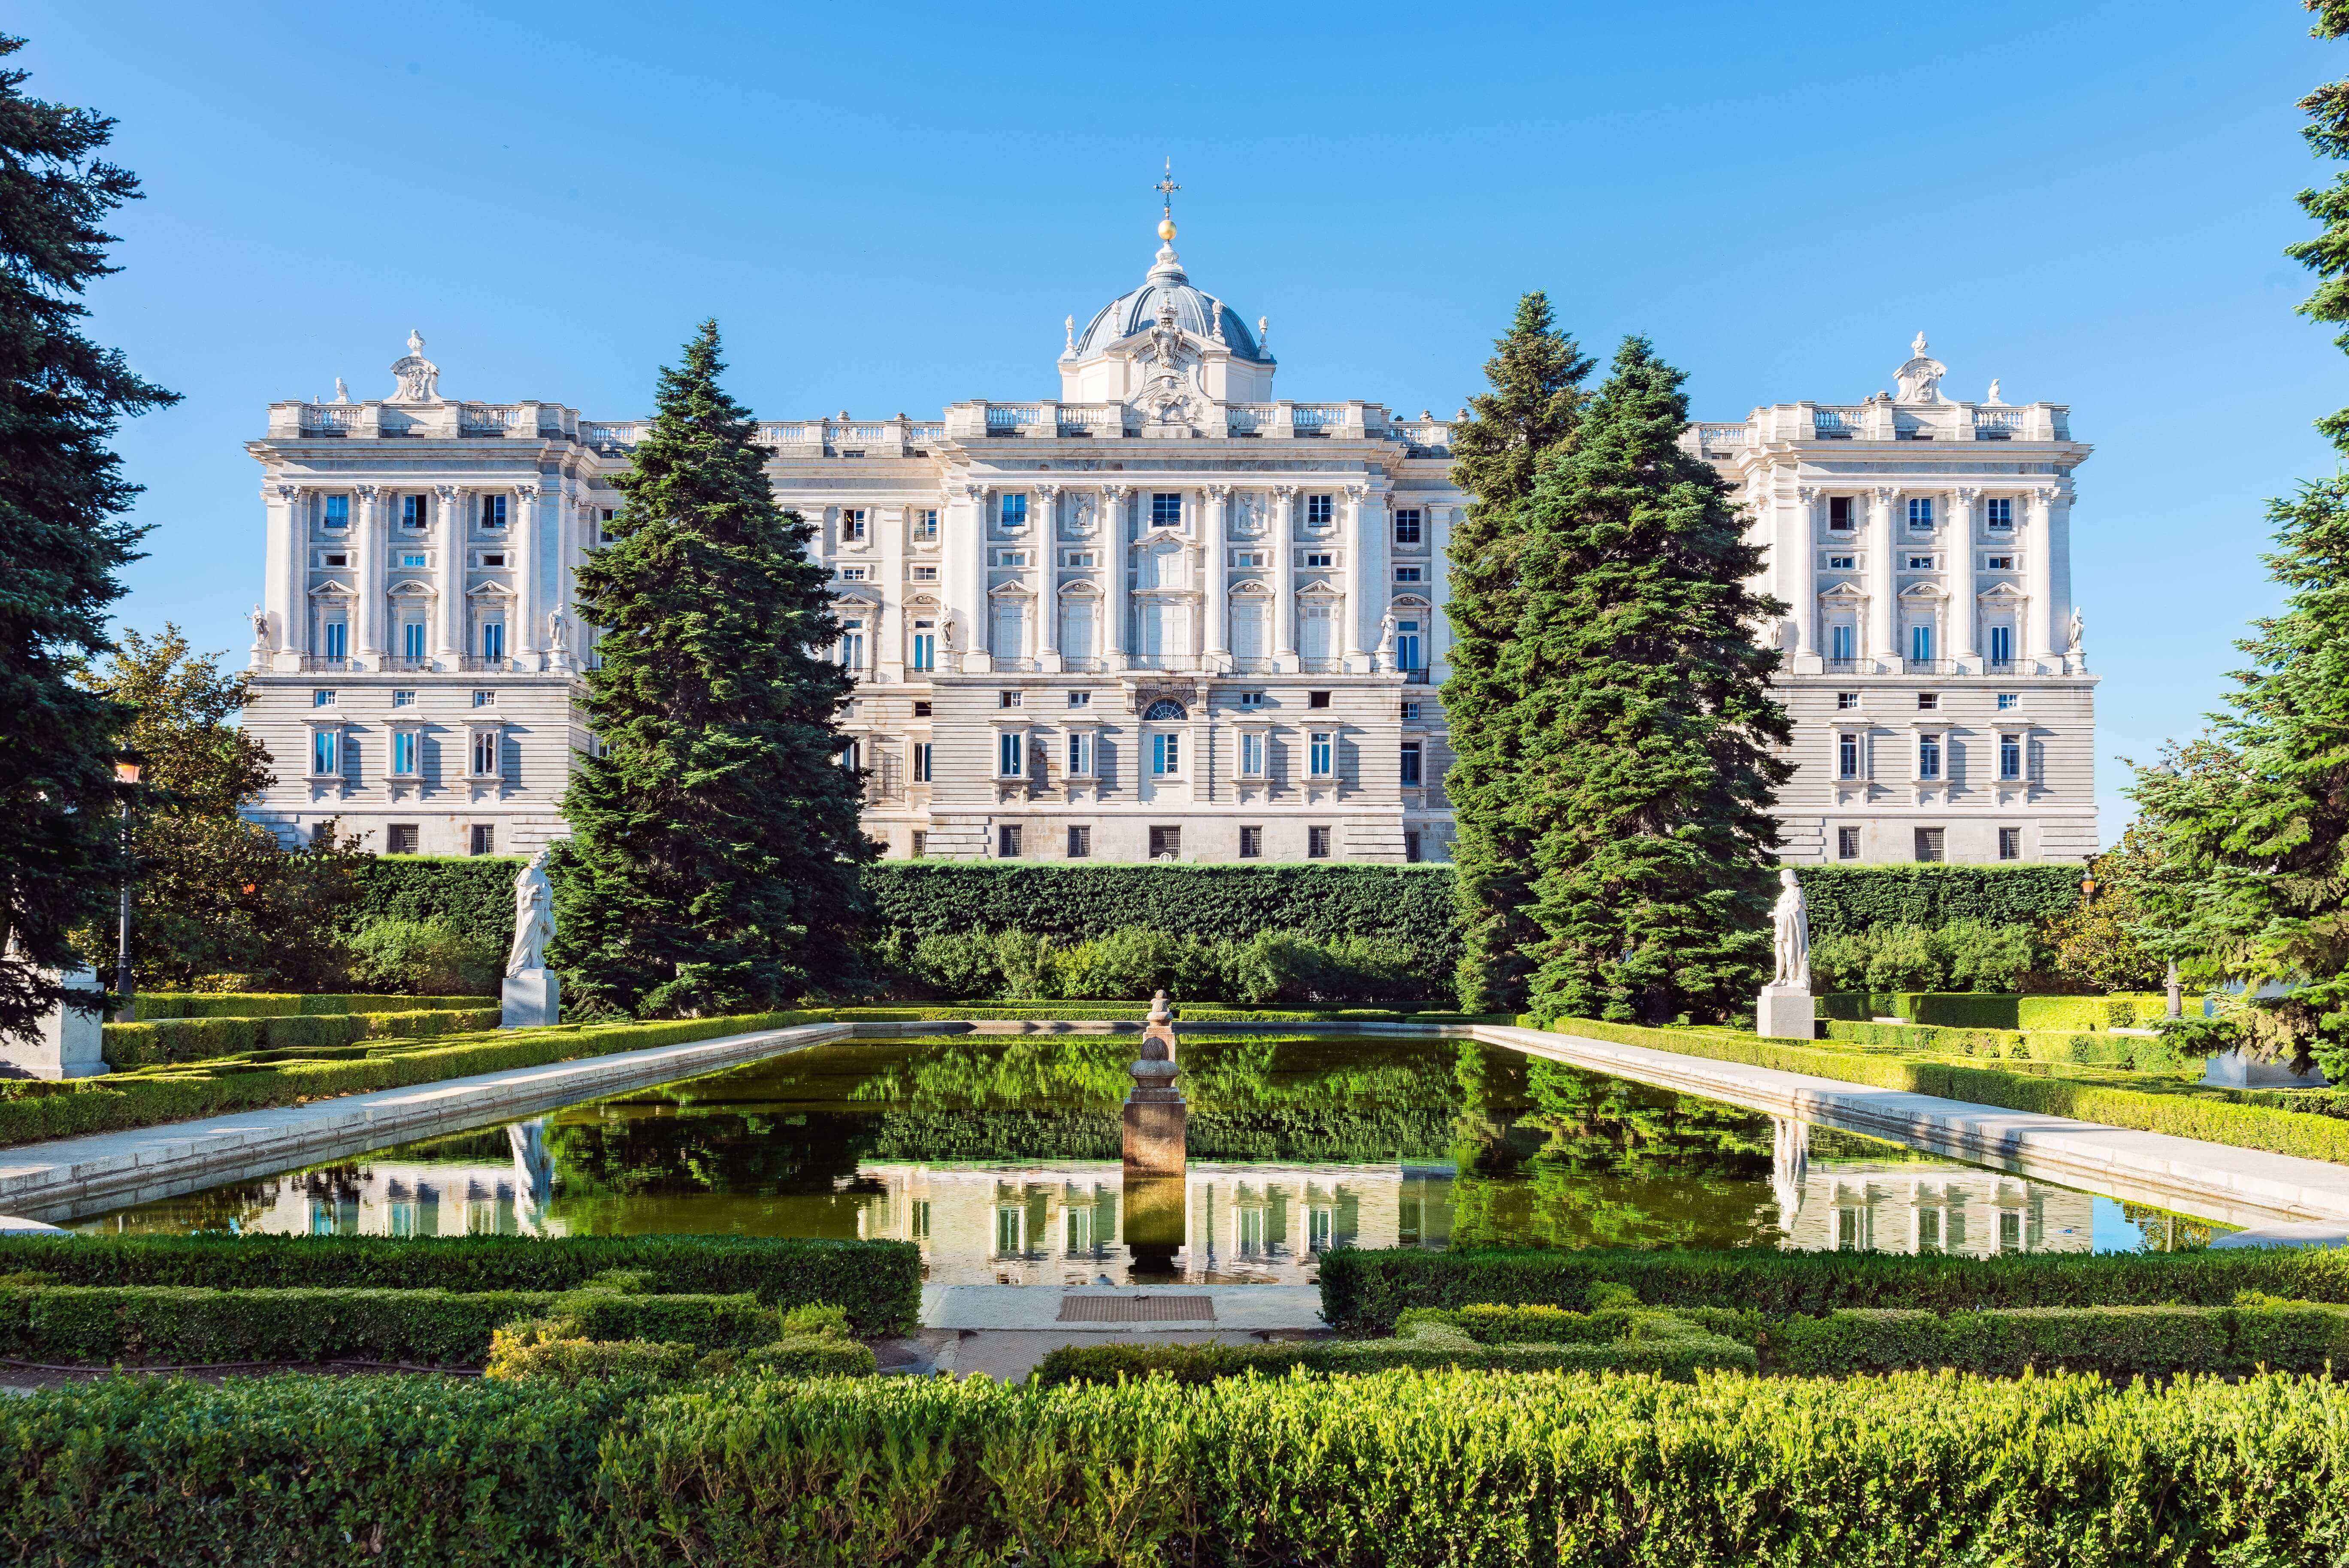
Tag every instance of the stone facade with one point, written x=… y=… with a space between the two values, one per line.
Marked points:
x=1165 y=616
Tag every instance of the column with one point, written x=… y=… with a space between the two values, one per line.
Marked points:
x=1350 y=621
x=2045 y=639
x=1439 y=593
x=369 y=529
x=1046 y=524
x=1216 y=582
x=1960 y=576
x=450 y=637
x=889 y=647
x=1284 y=578
x=1882 y=625
x=1114 y=562
x=529 y=603
x=963 y=571
x=1373 y=575
x=288 y=573
x=1798 y=569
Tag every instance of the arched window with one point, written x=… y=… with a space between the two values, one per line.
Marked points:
x=1166 y=710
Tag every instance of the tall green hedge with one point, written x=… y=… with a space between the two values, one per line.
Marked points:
x=1845 y=899
x=155 y=1005
x=194 y=1040
x=473 y=893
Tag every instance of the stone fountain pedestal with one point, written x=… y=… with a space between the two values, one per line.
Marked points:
x=1156 y=1123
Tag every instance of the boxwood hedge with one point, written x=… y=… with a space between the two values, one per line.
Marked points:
x=2117 y=1341
x=201 y=1037
x=154 y=1005
x=1844 y=900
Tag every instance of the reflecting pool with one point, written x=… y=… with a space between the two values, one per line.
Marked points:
x=998 y=1158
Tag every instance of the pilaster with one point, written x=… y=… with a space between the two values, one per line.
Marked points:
x=449 y=608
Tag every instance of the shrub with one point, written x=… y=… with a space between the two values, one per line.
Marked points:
x=2117 y=1341
x=1959 y=956
x=168 y=1040
x=1844 y=900
x=877 y=1284
x=543 y=1348
x=424 y=957
x=793 y=1355
x=154 y=1005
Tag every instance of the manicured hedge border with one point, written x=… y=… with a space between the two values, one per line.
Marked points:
x=2000 y=1009
x=2087 y=1048
x=158 y=1004
x=1847 y=900
x=195 y=1039
x=1369 y=1289
x=33 y=1109
x=2181 y=1111
x=878 y=1283
x=2117 y=1341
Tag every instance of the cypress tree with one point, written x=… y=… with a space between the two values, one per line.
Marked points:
x=1530 y=411
x=63 y=538
x=714 y=862
x=1644 y=722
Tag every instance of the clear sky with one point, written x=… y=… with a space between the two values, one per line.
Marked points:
x=888 y=208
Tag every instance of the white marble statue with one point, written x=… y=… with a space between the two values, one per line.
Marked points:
x=2075 y=632
x=533 y=916
x=260 y=642
x=558 y=633
x=418 y=378
x=1791 y=920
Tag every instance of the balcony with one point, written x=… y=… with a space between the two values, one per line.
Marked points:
x=472 y=664
x=1850 y=666
x=405 y=662
x=1929 y=666
x=1081 y=663
x=1321 y=666
x=1160 y=661
x=1251 y=666
x=313 y=663
x=1413 y=677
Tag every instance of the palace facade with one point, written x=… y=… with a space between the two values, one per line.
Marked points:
x=1167 y=615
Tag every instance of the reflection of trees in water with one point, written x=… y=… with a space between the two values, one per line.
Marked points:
x=708 y=1152
x=2167 y=1233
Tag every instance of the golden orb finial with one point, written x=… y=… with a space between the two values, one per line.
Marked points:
x=1166 y=230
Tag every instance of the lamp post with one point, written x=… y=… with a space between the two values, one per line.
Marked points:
x=127 y=773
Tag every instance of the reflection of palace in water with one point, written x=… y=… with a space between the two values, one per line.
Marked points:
x=1056 y=1223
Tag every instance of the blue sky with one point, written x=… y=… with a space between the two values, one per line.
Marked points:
x=890 y=208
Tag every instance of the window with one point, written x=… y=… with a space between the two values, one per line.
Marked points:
x=1251 y=699
x=852 y=643
x=485 y=700
x=403 y=753
x=485 y=754
x=1317 y=843
x=925 y=525
x=925 y=573
x=1843 y=562
x=1928 y=845
x=1317 y=699
x=1007 y=842
x=2010 y=843
x=1410 y=712
x=1921 y=644
x=495 y=558
x=2008 y=701
x=1080 y=699
x=1166 y=509
x=852 y=574
x=1080 y=843
x=483 y=839
x=922 y=761
x=493 y=512
x=1081 y=754
x=1012 y=511
x=1920 y=511
x=1078 y=558
x=1165 y=710
x=403 y=699
x=1843 y=644
x=1999 y=563
x=852 y=525
x=494 y=638
x=327 y=752
x=1839 y=511
x=1165 y=843
x=335 y=558
x=1848 y=755
x=1929 y=757
x=921 y=710
x=1411 y=750
x=399 y=839
x=1251 y=843
x=1320 y=510
x=1165 y=755
x=412 y=560
x=1321 y=752
x=1846 y=700
x=1321 y=558
x=415 y=511
x=851 y=758
x=1847 y=843
x=1407 y=645
x=2010 y=755
x=338 y=639
x=604 y=526
x=411 y=640
x=1010 y=754
x=1920 y=563
x=1929 y=702
x=1251 y=754
x=1011 y=558
x=2002 y=644
x=322 y=699
x=1007 y=699
x=1407 y=526
x=926 y=644
x=1411 y=845
x=338 y=511
x=921 y=844
x=1407 y=573
x=2000 y=511
x=1239 y=558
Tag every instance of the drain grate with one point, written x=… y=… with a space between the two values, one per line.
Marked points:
x=1137 y=1309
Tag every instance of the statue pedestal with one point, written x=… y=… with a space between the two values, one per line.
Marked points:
x=72 y=1043
x=1154 y=1137
x=1785 y=1012
x=533 y=999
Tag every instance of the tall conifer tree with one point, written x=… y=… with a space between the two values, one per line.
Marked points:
x=62 y=540
x=714 y=866
x=1644 y=722
x=1530 y=411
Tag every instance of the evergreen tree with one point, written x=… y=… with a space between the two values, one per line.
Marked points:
x=1530 y=411
x=1644 y=721
x=2255 y=832
x=714 y=866
x=62 y=540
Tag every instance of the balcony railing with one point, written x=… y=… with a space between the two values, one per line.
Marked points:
x=1848 y=667
x=1929 y=666
x=1080 y=663
x=1414 y=677
x=1159 y=661
x=406 y=662
x=1321 y=666
x=1013 y=663
x=475 y=663
x=312 y=663
x=1251 y=666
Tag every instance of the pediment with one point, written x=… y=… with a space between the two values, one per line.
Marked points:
x=332 y=590
x=2001 y=594
x=1921 y=591
x=490 y=590
x=412 y=589
x=1842 y=593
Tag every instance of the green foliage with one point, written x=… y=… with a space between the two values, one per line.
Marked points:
x=158 y=1004
x=2117 y=1341
x=473 y=894
x=2098 y=943
x=877 y=1284
x=1847 y=900
x=1531 y=412
x=713 y=866
x=1960 y=956
x=424 y=957
x=793 y=1356
x=538 y=1350
x=33 y=1109
x=1644 y=719
x=63 y=537
x=2091 y=1047
x=1365 y=1289
x=1270 y=968
x=168 y=1040
x=1407 y=904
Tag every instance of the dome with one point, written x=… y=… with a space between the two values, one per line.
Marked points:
x=1194 y=313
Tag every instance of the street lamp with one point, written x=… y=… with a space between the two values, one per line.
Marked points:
x=127 y=773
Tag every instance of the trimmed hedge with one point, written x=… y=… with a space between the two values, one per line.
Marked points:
x=201 y=1038
x=878 y=1283
x=1406 y=1470
x=34 y=1108
x=156 y=1005
x=2096 y=1048
x=472 y=893
x=177 y=1323
x=2180 y=1110
x=2117 y=1341
x=2000 y=1009
x=1367 y=1289
x=1843 y=900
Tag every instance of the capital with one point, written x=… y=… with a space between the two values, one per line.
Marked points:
x=1219 y=492
x=1807 y=494
x=526 y=492
x=1887 y=494
x=365 y=492
x=1048 y=492
x=1115 y=493
x=449 y=493
x=291 y=492
x=1965 y=495
x=2045 y=495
